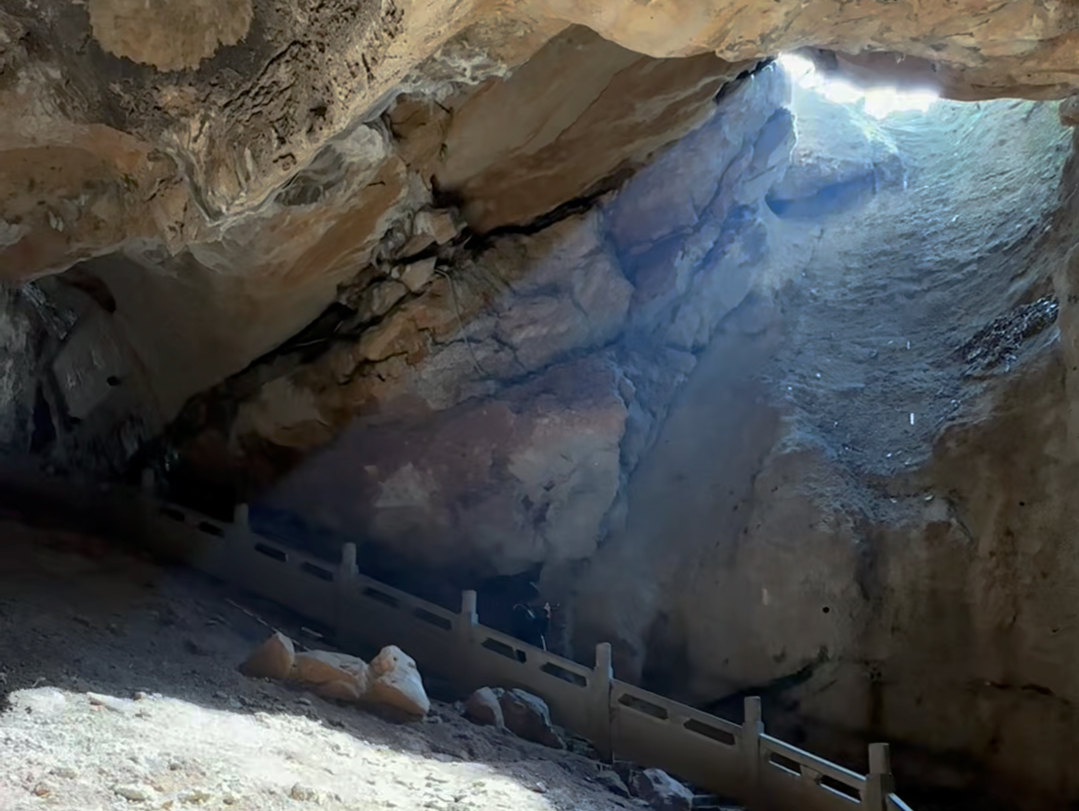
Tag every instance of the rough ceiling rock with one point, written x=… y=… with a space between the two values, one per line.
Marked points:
x=168 y=34
x=237 y=125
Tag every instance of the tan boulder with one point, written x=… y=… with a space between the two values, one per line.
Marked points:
x=273 y=659
x=483 y=708
x=331 y=675
x=396 y=682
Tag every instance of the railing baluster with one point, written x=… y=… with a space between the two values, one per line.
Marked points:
x=879 y=782
x=752 y=729
x=600 y=689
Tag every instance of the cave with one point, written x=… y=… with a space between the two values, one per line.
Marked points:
x=744 y=339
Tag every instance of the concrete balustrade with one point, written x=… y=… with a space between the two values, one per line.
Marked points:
x=739 y=761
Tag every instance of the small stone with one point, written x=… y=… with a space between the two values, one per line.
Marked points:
x=196 y=648
x=396 y=682
x=419 y=274
x=528 y=717
x=42 y=790
x=228 y=799
x=335 y=676
x=303 y=793
x=539 y=787
x=273 y=659
x=66 y=772
x=134 y=793
x=612 y=782
x=661 y=791
x=378 y=299
x=483 y=708
x=195 y=797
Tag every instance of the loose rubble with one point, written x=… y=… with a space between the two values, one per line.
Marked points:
x=391 y=679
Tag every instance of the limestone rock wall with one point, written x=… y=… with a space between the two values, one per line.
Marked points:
x=859 y=509
x=489 y=420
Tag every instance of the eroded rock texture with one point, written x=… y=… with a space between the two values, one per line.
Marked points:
x=776 y=398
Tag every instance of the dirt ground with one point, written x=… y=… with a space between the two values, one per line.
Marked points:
x=120 y=689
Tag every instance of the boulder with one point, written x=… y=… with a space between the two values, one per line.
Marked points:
x=273 y=659
x=335 y=676
x=528 y=717
x=483 y=708
x=609 y=779
x=660 y=790
x=396 y=682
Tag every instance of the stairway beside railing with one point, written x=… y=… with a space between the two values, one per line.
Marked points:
x=735 y=760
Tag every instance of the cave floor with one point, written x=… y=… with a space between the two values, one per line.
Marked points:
x=119 y=686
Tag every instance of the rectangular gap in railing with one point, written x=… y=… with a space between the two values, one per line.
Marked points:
x=707 y=730
x=551 y=669
x=382 y=597
x=317 y=571
x=785 y=764
x=211 y=529
x=271 y=552
x=174 y=514
x=496 y=646
x=839 y=788
x=433 y=619
x=645 y=707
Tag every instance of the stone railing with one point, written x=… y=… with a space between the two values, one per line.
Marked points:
x=739 y=761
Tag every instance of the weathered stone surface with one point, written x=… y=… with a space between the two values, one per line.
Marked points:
x=396 y=682
x=419 y=274
x=168 y=35
x=332 y=675
x=844 y=153
x=483 y=708
x=528 y=717
x=273 y=659
x=661 y=791
x=540 y=464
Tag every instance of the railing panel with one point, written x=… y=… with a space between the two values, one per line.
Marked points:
x=818 y=764
x=794 y=778
x=376 y=616
x=710 y=752
x=172 y=533
x=272 y=571
x=652 y=730
x=495 y=659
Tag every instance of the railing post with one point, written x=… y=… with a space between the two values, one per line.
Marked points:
x=467 y=620
x=346 y=574
x=879 y=782
x=600 y=690
x=241 y=516
x=348 y=569
x=752 y=729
